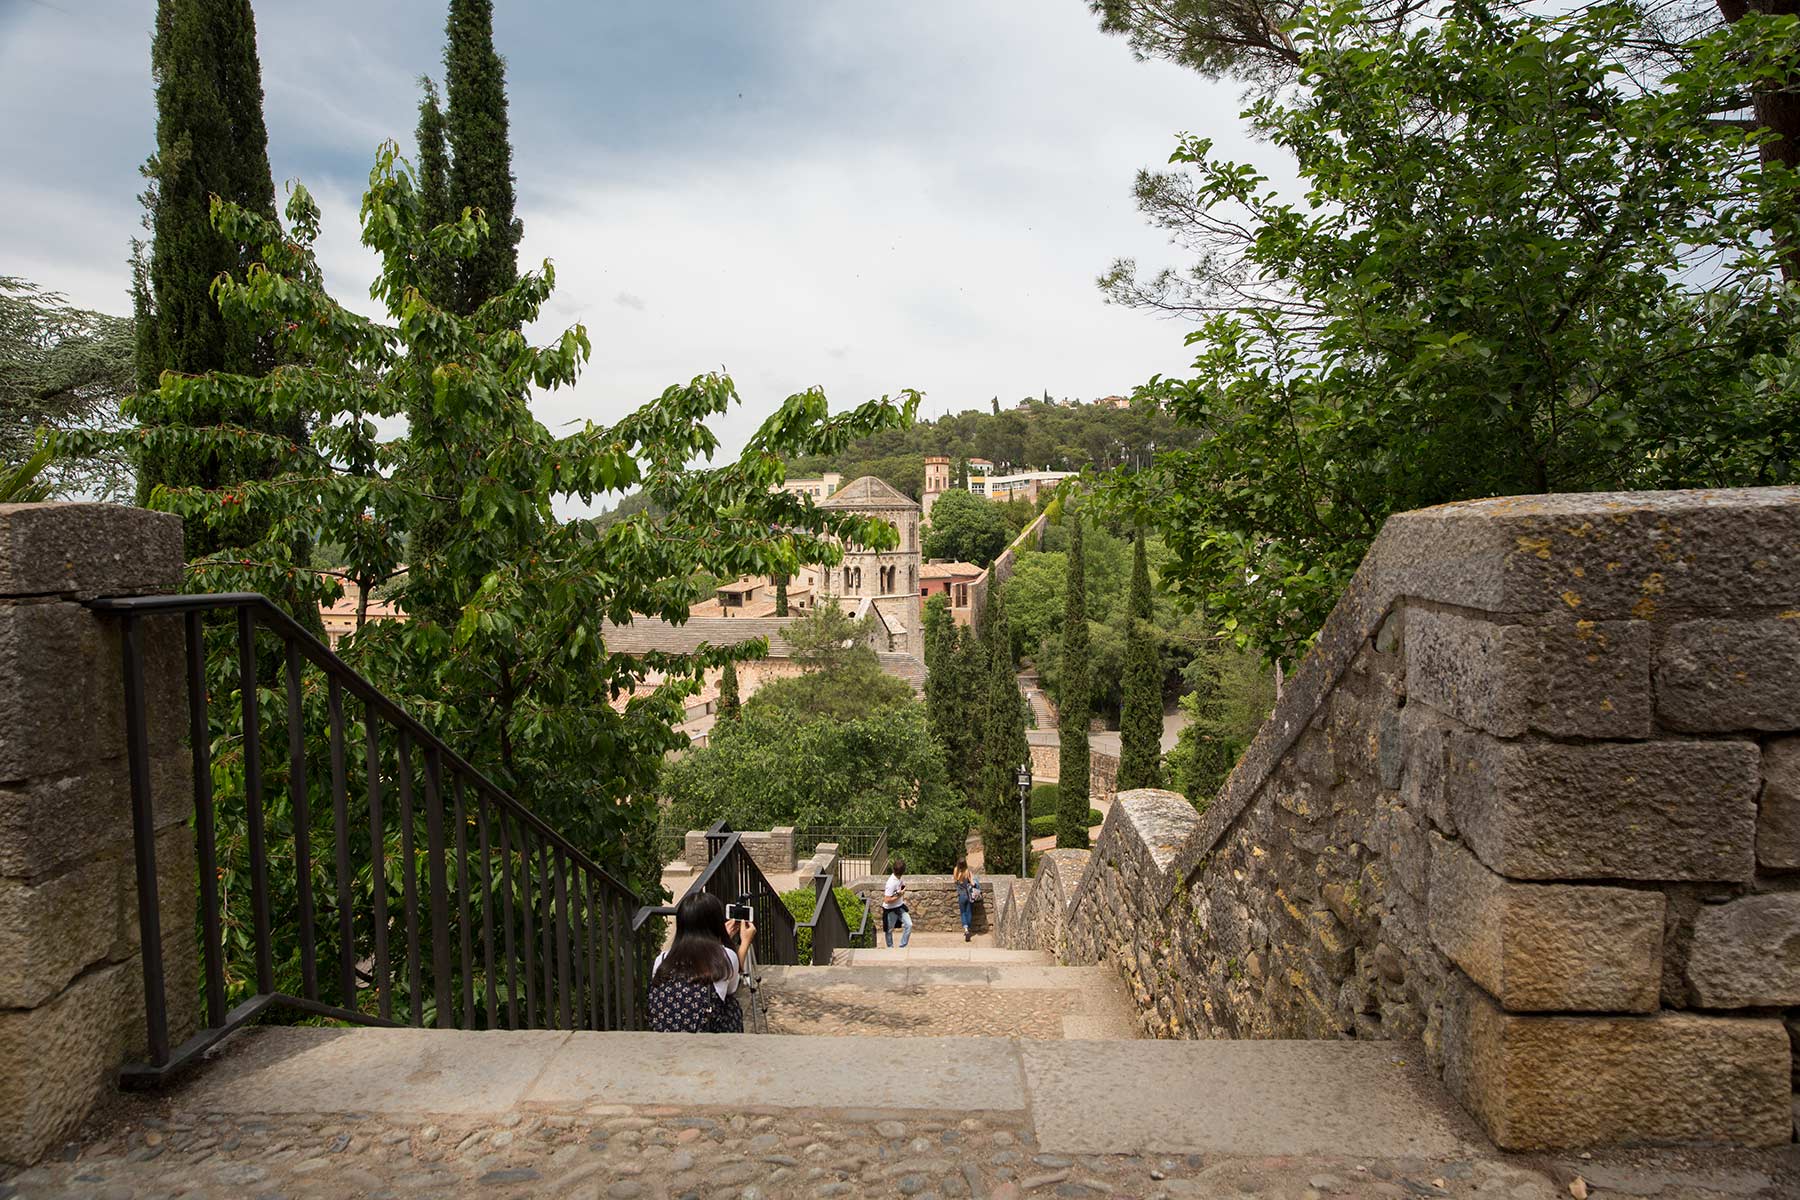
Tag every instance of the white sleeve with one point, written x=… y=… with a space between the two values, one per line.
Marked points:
x=892 y=887
x=729 y=984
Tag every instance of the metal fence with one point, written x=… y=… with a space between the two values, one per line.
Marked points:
x=502 y=922
x=862 y=850
x=733 y=876
x=829 y=929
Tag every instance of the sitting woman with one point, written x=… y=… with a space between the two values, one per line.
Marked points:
x=693 y=981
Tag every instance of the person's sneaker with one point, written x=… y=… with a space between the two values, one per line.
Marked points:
x=965 y=935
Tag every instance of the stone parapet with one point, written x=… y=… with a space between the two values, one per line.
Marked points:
x=1533 y=800
x=71 y=971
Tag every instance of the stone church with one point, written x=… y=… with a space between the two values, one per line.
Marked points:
x=885 y=583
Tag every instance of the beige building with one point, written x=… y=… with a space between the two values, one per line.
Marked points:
x=884 y=582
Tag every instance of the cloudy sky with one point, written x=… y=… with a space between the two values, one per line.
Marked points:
x=856 y=196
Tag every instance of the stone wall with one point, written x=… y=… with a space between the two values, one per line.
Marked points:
x=1002 y=568
x=1103 y=770
x=1531 y=801
x=932 y=901
x=71 y=976
x=772 y=850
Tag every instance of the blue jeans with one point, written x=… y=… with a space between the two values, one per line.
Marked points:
x=967 y=908
x=891 y=917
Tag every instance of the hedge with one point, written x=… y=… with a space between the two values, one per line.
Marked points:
x=800 y=903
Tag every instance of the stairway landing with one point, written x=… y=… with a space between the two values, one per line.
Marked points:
x=305 y=1112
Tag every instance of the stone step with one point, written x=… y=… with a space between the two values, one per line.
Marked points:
x=1079 y=1097
x=949 y=999
x=880 y=956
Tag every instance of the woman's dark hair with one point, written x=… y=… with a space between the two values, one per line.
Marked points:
x=897 y=866
x=698 y=952
x=962 y=866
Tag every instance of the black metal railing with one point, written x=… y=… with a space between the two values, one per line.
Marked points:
x=829 y=930
x=862 y=850
x=501 y=922
x=733 y=876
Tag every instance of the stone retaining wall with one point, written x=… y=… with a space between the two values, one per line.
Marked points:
x=772 y=850
x=932 y=901
x=1533 y=800
x=71 y=975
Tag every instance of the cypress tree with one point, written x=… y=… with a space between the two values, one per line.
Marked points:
x=1075 y=701
x=965 y=709
x=437 y=275
x=1140 y=708
x=781 y=601
x=210 y=141
x=480 y=154
x=1004 y=747
x=729 y=707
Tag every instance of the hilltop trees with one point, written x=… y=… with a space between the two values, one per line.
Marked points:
x=1140 y=712
x=1073 y=700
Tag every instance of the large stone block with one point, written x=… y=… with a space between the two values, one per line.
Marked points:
x=1666 y=810
x=85 y=550
x=1720 y=676
x=1778 y=815
x=60 y=1057
x=1539 y=947
x=1746 y=954
x=1569 y=678
x=62 y=692
x=48 y=824
x=1548 y=1083
x=1601 y=556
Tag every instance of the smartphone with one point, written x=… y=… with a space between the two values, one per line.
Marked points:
x=740 y=912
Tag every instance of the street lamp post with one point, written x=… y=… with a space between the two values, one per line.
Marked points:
x=1024 y=808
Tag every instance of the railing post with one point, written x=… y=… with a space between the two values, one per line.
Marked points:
x=72 y=972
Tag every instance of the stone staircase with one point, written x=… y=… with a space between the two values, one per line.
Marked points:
x=943 y=990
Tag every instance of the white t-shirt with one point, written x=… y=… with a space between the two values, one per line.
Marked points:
x=890 y=895
x=725 y=986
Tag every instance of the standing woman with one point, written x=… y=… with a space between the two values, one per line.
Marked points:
x=968 y=891
x=693 y=981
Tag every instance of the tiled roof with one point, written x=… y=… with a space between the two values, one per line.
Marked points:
x=949 y=570
x=645 y=634
x=868 y=492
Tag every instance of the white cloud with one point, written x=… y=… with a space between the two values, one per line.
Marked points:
x=862 y=199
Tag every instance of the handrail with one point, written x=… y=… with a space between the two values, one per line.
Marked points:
x=554 y=929
x=326 y=659
x=729 y=873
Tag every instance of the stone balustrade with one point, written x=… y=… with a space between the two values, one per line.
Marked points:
x=932 y=901
x=1533 y=801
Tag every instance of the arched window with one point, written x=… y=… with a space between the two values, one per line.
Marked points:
x=912 y=579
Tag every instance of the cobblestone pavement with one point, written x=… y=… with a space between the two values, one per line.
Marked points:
x=150 y=1148
x=849 y=1010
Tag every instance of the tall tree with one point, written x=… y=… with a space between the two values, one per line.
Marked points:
x=1003 y=747
x=729 y=705
x=1140 y=712
x=1073 y=700
x=965 y=709
x=62 y=367
x=210 y=142
x=480 y=153
x=1531 y=276
x=438 y=276
x=781 y=596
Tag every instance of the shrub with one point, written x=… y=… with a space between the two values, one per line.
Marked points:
x=1044 y=824
x=1044 y=799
